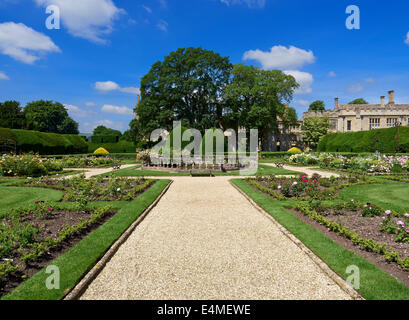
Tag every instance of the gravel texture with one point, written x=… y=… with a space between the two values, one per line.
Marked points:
x=307 y=170
x=204 y=240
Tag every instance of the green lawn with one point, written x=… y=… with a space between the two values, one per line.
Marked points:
x=136 y=172
x=21 y=196
x=375 y=283
x=388 y=195
x=75 y=263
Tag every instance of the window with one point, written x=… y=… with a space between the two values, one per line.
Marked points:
x=349 y=125
x=391 y=122
x=374 y=123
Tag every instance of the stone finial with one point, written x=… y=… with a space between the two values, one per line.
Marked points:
x=391 y=95
x=336 y=102
x=383 y=101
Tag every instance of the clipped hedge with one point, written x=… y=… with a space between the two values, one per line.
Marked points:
x=120 y=147
x=104 y=139
x=44 y=143
x=382 y=140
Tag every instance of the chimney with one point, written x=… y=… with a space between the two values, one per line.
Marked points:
x=391 y=97
x=138 y=100
x=383 y=101
x=336 y=102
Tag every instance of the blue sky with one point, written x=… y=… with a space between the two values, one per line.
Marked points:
x=94 y=63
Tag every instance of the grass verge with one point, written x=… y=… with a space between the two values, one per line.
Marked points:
x=75 y=263
x=375 y=283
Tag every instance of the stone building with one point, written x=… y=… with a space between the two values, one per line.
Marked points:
x=364 y=117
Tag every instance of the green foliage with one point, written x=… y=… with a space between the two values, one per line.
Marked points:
x=314 y=129
x=184 y=86
x=104 y=131
x=382 y=140
x=46 y=116
x=122 y=146
x=11 y=115
x=318 y=105
x=359 y=101
x=44 y=143
x=105 y=139
x=255 y=99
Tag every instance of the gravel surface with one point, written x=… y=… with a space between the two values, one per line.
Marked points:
x=90 y=172
x=204 y=240
x=307 y=170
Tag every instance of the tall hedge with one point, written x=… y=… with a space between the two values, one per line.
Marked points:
x=104 y=139
x=44 y=143
x=382 y=140
x=120 y=147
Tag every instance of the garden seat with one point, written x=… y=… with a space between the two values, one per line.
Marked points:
x=116 y=166
x=279 y=165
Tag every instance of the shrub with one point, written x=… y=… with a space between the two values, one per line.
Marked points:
x=295 y=150
x=27 y=165
x=101 y=151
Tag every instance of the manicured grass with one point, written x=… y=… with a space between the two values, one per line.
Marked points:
x=21 y=196
x=375 y=283
x=74 y=264
x=388 y=195
x=133 y=172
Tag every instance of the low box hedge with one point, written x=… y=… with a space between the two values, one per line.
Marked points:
x=119 y=147
x=382 y=140
x=104 y=139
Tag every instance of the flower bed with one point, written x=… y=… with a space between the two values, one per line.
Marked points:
x=87 y=162
x=31 y=237
x=369 y=227
x=304 y=188
x=29 y=165
x=376 y=163
x=96 y=188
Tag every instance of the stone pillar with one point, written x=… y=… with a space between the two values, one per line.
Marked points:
x=336 y=102
x=383 y=101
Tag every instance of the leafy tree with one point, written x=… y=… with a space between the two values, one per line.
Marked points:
x=104 y=131
x=313 y=129
x=46 y=116
x=186 y=86
x=11 y=115
x=256 y=99
x=359 y=101
x=318 y=105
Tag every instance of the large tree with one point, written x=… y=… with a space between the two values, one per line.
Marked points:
x=48 y=116
x=11 y=115
x=313 y=129
x=186 y=86
x=257 y=99
x=318 y=105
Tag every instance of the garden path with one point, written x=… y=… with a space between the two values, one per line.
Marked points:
x=205 y=240
x=307 y=170
x=90 y=172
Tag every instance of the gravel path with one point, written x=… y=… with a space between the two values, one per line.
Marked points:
x=307 y=170
x=90 y=172
x=204 y=240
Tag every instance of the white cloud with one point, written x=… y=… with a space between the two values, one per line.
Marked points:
x=3 y=76
x=147 y=9
x=78 y=112
x=304 y=79
x=87 y=19
x=280 y=57
x=369 y=80
x=249 y=3
x=113 y=86
x=304 y=103
x=407 y=39
x=332 y=74
x=23 y=43
x=162 y=25
x=356 y=88
x=90 y=104
x=125 y=111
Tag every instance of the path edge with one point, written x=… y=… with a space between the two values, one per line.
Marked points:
x=317 y=260
x=81 y=287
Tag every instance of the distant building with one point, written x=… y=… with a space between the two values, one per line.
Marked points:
x=364 y=117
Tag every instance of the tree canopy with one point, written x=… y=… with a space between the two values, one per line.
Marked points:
x=49 y=116
x=104 y=131
x=11 y=115
x=318 y=105
x=359 y=101
x=313 y=129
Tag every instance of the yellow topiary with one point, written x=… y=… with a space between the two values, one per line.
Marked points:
x=101 y=151
x=294 y=150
